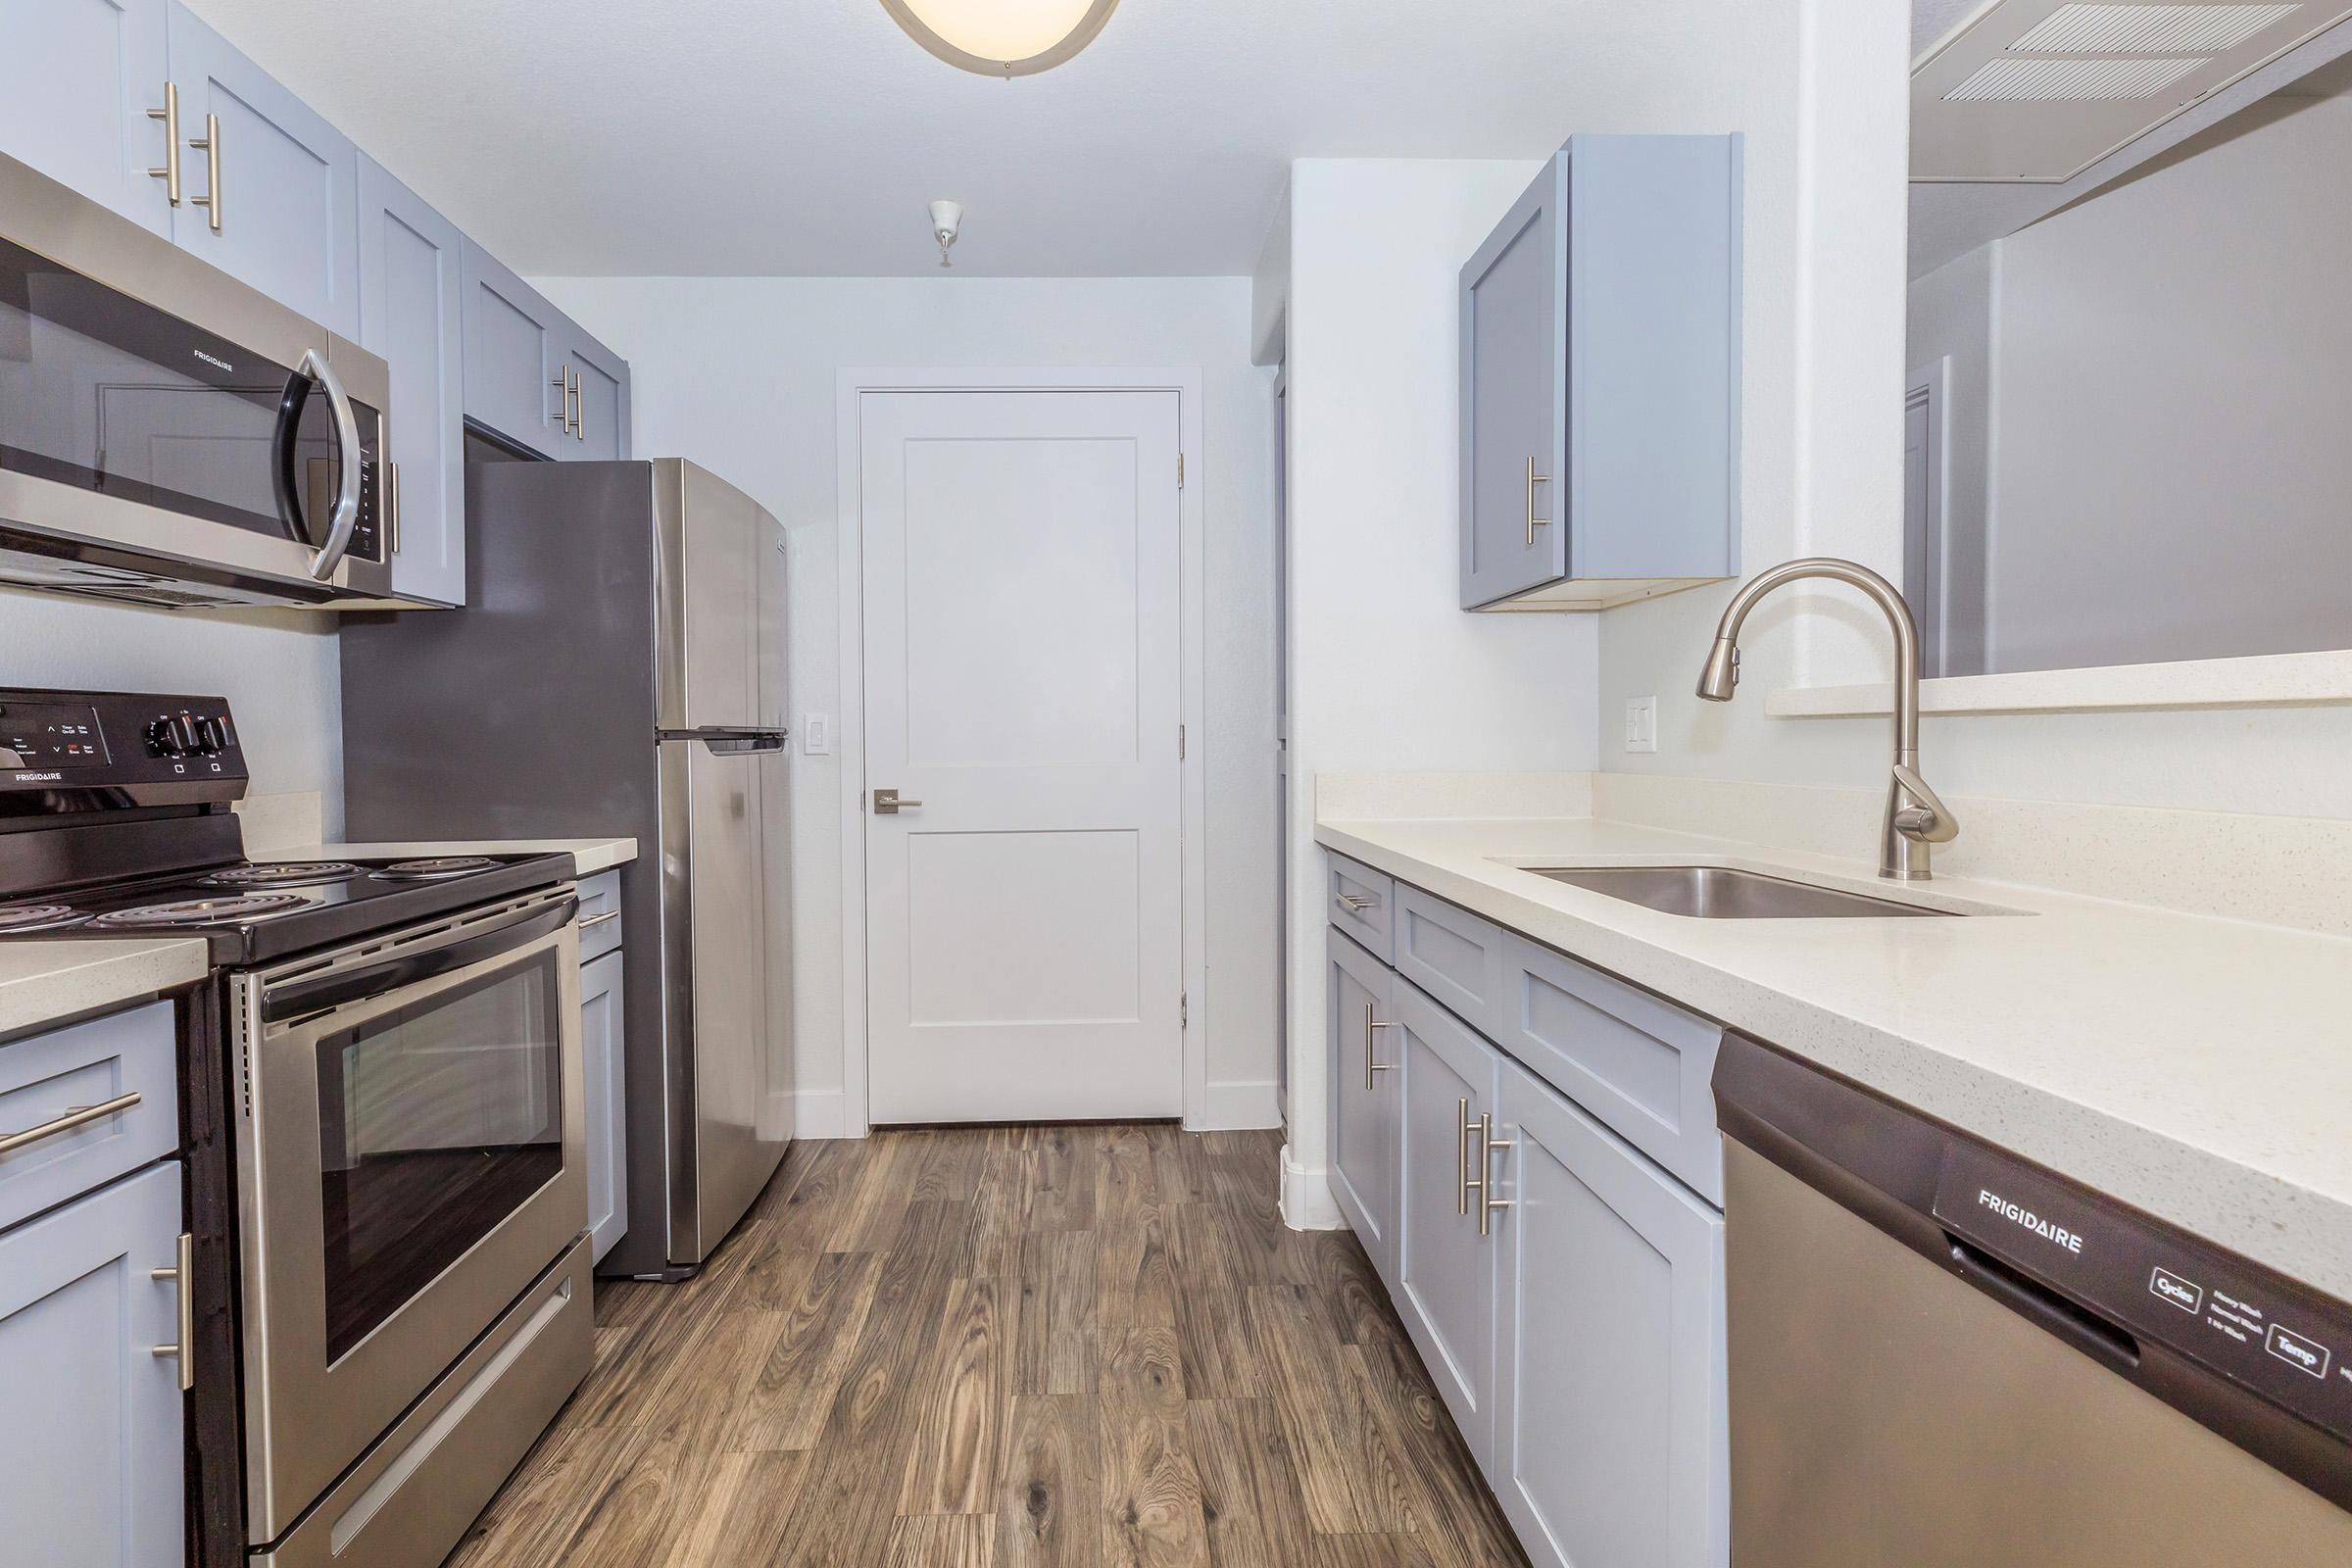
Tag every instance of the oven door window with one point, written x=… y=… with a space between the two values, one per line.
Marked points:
x=435 y=1123
x=107 y=393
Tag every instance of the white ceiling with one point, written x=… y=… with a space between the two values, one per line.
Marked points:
x=805 y=136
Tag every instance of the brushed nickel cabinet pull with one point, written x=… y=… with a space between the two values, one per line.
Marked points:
x=1487 y=1144
x=1532 y=522
x=392 y=509
x=599 y=920
x=1370 y=1066
x=169 y=116
x=74 y=1116
x=184 y=1277
x=562 y=386
x=1463 y=1127
x=1357 y=902
x=210 y=146
x=579 y=406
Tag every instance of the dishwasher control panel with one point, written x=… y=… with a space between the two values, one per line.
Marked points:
x=2153 y=1282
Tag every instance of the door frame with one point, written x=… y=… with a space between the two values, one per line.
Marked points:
x=849 y=731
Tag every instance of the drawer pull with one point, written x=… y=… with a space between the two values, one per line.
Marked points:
x=184 y=1277
x=77 y=1116
x=1463 y=1127
x=1487 y=1144
x=599 y=920
x=1370 y=1066
x=1357 y=902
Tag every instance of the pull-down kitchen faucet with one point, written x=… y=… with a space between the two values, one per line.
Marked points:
x=1914 y=818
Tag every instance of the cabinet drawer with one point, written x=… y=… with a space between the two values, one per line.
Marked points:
x=1453 y=956
x=599 y=914
x=1362 y=903
x=128 y=1061
x=1640 y=1065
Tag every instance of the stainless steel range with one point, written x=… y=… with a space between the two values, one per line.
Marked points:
x=401 y=1095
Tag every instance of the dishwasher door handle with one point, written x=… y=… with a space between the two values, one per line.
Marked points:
x=2027 y=1297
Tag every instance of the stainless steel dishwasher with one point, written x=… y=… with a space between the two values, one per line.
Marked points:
x=1942 y=1355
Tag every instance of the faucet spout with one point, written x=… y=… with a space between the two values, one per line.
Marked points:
x=1914 y=817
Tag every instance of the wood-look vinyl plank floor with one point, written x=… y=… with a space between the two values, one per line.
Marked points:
x=1058 y=1346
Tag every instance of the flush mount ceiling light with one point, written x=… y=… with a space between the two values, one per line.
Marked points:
x=1002 y=37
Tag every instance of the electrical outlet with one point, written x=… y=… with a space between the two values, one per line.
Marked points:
x=1642 y=723
x=817 y=734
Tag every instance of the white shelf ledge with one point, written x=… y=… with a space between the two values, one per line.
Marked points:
x=2271 y=680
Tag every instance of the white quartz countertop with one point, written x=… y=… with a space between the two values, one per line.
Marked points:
x=2198 y=1068
x=45 y=981
x=588 y=855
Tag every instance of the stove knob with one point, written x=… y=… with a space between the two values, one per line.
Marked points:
x=173 y=736
x=212 y=737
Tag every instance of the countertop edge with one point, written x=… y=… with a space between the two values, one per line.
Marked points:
x=46 y=983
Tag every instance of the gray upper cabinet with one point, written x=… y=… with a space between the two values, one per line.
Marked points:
x=411 y=295
x=78 y=80
x=600 y=399
x=516 y=358
x=269 y=190
x=1609 y=1406
x=91 y=1462
x=1600 y=379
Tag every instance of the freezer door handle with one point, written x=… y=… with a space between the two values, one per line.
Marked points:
x=725 y=742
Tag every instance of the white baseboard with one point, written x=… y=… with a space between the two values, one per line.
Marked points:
x=1239 y=1103
x=818 y=1113
x=1307 y=1200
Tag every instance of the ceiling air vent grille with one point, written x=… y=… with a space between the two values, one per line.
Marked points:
x=2011 y=80
x=2149 y=29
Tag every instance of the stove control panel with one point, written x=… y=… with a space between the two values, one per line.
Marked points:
x=141 y=748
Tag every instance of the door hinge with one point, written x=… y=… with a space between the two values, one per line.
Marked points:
x=1179 y=470
x=1184 y=1010
x=1179 y=743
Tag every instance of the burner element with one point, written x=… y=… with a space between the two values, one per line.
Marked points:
x=436 y=867
x=202 y=911
x=285 y=874
x=39 y=917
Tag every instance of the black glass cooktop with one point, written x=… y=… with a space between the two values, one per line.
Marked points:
x=252 y=912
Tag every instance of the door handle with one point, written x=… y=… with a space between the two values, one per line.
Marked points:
x=169 y=116
x=183 y=1276
x=349 y=455
x=888 y=803
x=210 y=201
x=1370 y=1066
x=1532 y=522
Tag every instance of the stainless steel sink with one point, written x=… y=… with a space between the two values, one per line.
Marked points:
x=1718 y=893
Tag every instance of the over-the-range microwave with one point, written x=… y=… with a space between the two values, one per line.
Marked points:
x=170 y=435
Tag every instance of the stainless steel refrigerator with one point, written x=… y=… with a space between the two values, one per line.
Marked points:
x=618 y=669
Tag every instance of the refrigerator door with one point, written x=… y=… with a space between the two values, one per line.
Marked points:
x=717 y=1030
x=707 y=536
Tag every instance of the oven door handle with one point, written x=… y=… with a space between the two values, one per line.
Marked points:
x=302 y=997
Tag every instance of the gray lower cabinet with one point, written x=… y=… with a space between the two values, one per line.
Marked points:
x=92 y=1463
x=1559 y=1268
x=601 y=1015
x=1444 y=1284
x=1609 y=1412
x=1367 y=1089
x=78 y=79
x=273 y=199
x=412 y=295
x=1599 y=378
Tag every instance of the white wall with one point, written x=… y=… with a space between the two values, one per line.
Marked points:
x=2283 y=760
x=278 y=669
x=739 y=374
x=1387 y=673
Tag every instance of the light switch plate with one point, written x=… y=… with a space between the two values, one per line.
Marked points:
x=1642 y=723
x=817 y=734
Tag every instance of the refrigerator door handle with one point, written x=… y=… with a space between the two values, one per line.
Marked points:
x=725 y=742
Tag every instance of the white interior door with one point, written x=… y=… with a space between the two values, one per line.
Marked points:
x=1023 y=683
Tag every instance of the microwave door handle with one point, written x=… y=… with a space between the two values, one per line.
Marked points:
x=347 y=450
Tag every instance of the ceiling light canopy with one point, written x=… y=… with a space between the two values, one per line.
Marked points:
x=1002 y=37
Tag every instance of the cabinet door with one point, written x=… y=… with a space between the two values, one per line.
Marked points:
x=516 y=347
x=1514 y=398
x=601 y=1035
x=1444 y=1288
x=76 y=81
x=1609 y=1442
x=91 y=1462
x=411 y=297
x=1364 y=1096
x=285 y=217
x=601 y=403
